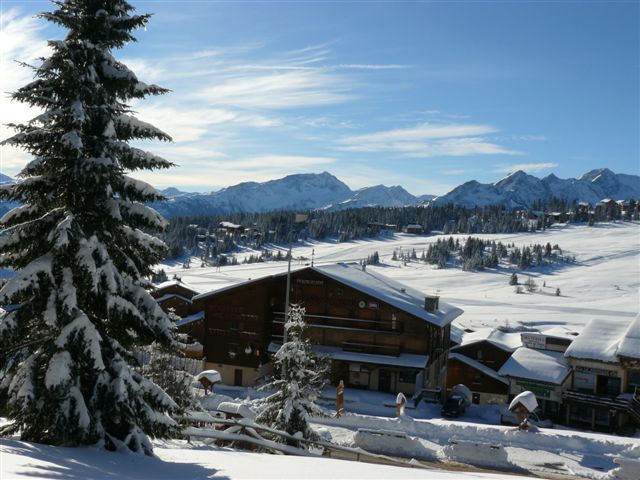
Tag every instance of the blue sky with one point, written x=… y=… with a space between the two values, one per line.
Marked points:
x=422 y=94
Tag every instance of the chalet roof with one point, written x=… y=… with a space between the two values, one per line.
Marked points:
x=169 y=296
x=406 y=360
x=537 y=365
x=178 y=283
x=489 y=372
x=370 y=283
x=190 y=319
x=390 y=291
x=506 y=341
x=601 y=340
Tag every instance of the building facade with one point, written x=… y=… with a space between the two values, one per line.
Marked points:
x=379 y=334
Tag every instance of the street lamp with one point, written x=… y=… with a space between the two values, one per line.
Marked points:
x=298 y=218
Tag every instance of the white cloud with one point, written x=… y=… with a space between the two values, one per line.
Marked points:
x=526 y=167
x=20 y=40
x=278 y=90
x=428 y=140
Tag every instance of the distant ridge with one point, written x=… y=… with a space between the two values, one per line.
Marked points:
x=519 y=189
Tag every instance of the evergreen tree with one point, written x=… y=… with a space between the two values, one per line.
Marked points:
x=298 y=377
x=80 y=247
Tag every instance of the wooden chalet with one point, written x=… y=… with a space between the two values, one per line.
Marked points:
x=378 y=333
x=175 y=295
x=476 y=361
x=178 y=297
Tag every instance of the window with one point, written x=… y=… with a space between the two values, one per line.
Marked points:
x=394 y=322
x=479 y=354
x=233 y=349
x=602 y=416
x=408 y=376
x=633 y=381
x=234 y=325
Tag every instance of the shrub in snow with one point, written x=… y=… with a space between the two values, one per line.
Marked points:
x=298 y=378
x=80 y=245
x=164 y=369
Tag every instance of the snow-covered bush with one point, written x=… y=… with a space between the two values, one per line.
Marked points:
x=298 y=378
x=80 y=245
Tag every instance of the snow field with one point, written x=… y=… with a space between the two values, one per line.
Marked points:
x=604 y=281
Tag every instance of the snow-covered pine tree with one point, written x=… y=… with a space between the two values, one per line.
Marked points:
x=80 y=245
x=298 y=378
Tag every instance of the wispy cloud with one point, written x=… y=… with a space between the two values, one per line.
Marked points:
x=428 y=140
x=278 y=90
x=525 y=167
x=20 y=40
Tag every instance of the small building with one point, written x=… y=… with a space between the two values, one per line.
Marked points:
x=545 y=373
x=178 y=297
x=175 y=295
x=414 y=229
x=605 y=392
x=379 y=334
x=475 y=362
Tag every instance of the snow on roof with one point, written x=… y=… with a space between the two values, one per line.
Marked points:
x=390 y=291
x=538 y=365
x=374 y=284
x=190 y=319
x=233 y=408
x=478 y=366
x=172 y=283
x=527 y=399
x=169 y=296
x=408 y=360
x=560 y=331
x=506 y=341
x=599 y=340
x=212 y=375
x=630 y=343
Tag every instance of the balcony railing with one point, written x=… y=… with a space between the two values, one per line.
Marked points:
x=372 y=349
x=625 y=402
x=344 y=323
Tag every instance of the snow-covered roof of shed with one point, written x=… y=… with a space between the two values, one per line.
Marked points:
x=506 y=341
x=370 y=283
x=630 y=343
x=527 y=399
x=478 y=366
x=599 y=340
x=212 y=375
x=407 y=360
x=538 y=365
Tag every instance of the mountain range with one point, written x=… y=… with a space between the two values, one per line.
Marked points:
x=324 y=191
x=306 y=191
x=310 y=191
x=520 y=189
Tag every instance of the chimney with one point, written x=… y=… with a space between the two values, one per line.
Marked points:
x=431 y=303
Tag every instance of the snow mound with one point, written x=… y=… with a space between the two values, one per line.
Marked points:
x=476 y=453
x=394 y=443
